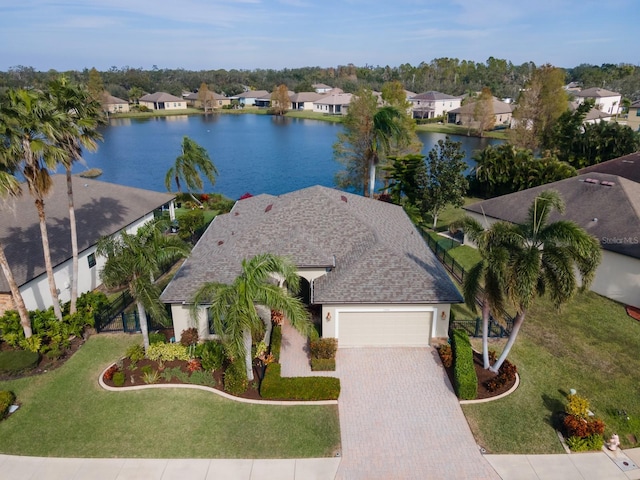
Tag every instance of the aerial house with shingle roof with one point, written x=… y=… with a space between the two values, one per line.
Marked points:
x=364 y=266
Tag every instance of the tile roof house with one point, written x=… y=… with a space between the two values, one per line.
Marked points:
x=433 y=104
x=362 y=262
x=101 y=209
x=115 y=104
x=249 y=98
x=215 y=100
x=463 y=115
x=304 y=100
x=605 y=100
x=162 y=101
x=333 y=103
x=607 y=206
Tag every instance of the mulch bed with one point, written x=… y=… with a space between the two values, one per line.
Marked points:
x=134 y=376
x=633 y=312
x=483 y=376
x=45 y=364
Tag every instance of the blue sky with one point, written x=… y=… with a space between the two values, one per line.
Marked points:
x=249 y=34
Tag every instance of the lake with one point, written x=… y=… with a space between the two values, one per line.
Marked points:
x=253 y=153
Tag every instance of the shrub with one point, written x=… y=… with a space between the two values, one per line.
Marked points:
x=506 y=374
x=464 y=372
x=575 y=426
x=146 y=369
x=275 y=387
x=166 y=352
x=156 y=337
x=189 y=337
x=323 y=364
x=170 y=373
x=276 y=341
x=579 y=444
x=200 y=377
x=596 y=427
x=578 y=406
x=235 y=378
x=446 y=355
x=151 y=377
x=17 y=361
x=10 y=328
x=135 y=353
x=108 y=373
x=211 y=355
x=324 y=348
x=118 y=379
x=6 y=400
x=194 y=365
x=277 y=317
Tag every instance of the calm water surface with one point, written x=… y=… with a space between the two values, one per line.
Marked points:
x=253 y=153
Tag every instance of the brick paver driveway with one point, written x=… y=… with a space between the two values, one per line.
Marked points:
x=401 y=420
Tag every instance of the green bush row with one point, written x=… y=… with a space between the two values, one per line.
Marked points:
x=276 y=341
x=464 y=372
x=6 y=400
x=276 y=387
x=324 y=348
x=323 y=364
x=235 y=378
x=167 y=352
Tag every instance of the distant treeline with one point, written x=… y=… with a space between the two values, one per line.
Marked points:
x=447 y=75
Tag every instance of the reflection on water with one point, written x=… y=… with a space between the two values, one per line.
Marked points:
x=253 y=153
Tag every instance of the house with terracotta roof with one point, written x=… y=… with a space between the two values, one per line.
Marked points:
x=162 y=101
x=606 y=206
x=101 y=209
x=605 y=100
x=433 y=104
x=365 y=268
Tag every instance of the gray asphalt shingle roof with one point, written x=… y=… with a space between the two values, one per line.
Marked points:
x=610 y=211
x=160 y=97
x=378 y=254
x=101 y=209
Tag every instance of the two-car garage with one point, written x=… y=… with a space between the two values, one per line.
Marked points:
x=383 y=328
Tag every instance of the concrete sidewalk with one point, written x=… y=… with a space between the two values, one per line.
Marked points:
x=38 y=468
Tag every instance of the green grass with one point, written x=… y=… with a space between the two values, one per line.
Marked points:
x=466 y=256
x=451 y=129
x=66 y=413
x=157 y=113
x=315 y=116
x=590 y=345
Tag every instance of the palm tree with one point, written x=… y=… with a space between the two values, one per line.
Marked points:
x=10 y=187
x=544 y=258
x=388 y=127
x=134 y=260
x=84 y=118
x=193 y=160
x=30 y=125
x=232 y=308
x=486 y=279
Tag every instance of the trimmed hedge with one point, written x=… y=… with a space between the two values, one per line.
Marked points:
x=6 y=400
x=323 y=364
x=235 y=378
x=276 y=341
x=464 y=372
x=16 y=361
x=323 y=348
x=275 y=387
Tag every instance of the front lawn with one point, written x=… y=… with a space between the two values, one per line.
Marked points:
x=591 y=346
x=65 y=413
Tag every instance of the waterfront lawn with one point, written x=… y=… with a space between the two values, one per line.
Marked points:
x=451 y=129
x=65 y=413
x=590 y=345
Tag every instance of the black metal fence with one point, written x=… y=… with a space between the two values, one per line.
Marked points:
x=472 y=326
x=115 y=319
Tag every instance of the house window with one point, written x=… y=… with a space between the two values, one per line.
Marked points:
x=637 y=112
x=212 y=330
x=92 y=260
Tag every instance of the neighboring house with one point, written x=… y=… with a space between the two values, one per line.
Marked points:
x=606 y=101
x=633 y=116
x=321 y=88
x=101 y=209
x=215 y=100
x=364 y=266
x=304 y=100
x=249 y=98
x=606 y=206
x=115 y=104
x=463 y=115
x=595 y=115
x=433 y=104
x=263 y=101
x=162 y=101
x=333 y=103
x=627 y=167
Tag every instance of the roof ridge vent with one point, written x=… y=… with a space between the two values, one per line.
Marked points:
x=591 y=180
x=607 y=183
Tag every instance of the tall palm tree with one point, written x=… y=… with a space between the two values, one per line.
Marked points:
x=10 y=187
x=193 y=160
x=486 y=279
x=545 y=258
x=30 y=125
x=84 y=116
x=134 y=260
x=388 y=128
x=232 y=308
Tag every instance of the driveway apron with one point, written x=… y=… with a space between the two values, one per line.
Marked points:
x=401 y=420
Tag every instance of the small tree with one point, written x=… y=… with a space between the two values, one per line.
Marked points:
x=483 y=112
x=446 y=183
x=280 y=101
x=193 y=160
x=205 y=96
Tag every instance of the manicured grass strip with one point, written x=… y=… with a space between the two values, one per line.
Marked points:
x=65 y=413
x=466 y=256
x=590 y=345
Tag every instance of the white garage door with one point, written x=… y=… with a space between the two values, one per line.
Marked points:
x=363 y=329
